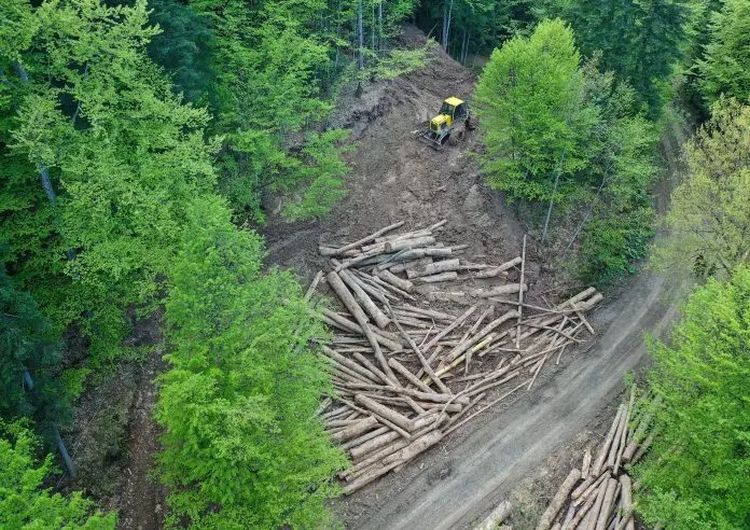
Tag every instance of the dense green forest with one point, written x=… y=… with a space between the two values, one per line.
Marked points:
x=143 y=142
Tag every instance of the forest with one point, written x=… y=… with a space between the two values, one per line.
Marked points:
x=153 y=150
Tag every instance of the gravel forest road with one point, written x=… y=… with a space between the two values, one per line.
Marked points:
x=506 y=447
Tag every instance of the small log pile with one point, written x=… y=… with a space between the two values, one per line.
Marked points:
x=599 y=495
x=408 y=372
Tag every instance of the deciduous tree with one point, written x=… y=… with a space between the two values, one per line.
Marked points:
x=242 y=445
x=529 y=101
x=725 y=69
x=709 y=219
x=695 y=476
x=24 y=502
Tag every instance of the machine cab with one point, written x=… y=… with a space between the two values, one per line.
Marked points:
x=454 y=114
x=454 y=109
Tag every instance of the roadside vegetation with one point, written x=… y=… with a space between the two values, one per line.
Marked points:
x=141 y=144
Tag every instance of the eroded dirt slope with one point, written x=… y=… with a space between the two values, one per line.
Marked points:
x=395 y=177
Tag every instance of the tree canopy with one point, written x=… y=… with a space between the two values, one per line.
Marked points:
x=242 y=445
x=709 y=220
x=24 y=502
x=725 y=67
x=28 y=343
x=696 y=473
x=529 y=100
x=640 y=40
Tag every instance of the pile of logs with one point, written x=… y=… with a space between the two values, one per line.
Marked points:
x=406 y=372
x=599 y=495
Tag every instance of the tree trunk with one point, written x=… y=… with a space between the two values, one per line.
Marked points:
x=380 y=25
x=558 y=500
x=447 y=18
x=360 y=35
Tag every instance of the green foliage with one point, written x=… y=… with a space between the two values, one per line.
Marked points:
x=124 y=154
x=477 y=26
x=623 y=215
x=23 y=504
x=529 y=101
x=268 y=91
x=27 y=341
x=321 y=174
x=559 y=131
x=695 y=476
x=725 y=68
x=242 y=445
x=709 y=220
x=183 y=49
x=399 y=62
x=641 y=40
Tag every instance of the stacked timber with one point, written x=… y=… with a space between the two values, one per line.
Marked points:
x=406 y=372
x=599 y=495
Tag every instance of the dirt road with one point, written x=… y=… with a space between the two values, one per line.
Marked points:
x=508 y=445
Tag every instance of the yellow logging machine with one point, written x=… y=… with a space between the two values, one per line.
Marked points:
x=452 y=121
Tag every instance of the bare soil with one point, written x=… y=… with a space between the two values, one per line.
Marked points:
x=516 y=450
x=520 y=449
x=114 y=438
x=394 y=177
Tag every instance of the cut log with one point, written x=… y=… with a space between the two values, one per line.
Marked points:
x=352 y=365
x=510 y=288
x=591 y=302
x=385 y=338
x=638 y=436
x=623 y=441
x=643 y=448
x=404 y=371
x=496 y=516
x=460 y=320
x=593 y=516
x=587 y=487
x=438 y=278
x=559 y=499
x=399 y=266
x=313 y=285
x=359 y=440
x=362 y=426
x=627 y=503
x=388 y=276
x=369 y=446
x=425 y=365
x=601 y=456
x=586 y=465
x=414 y=448
x=465 y=345
x=408 y=244
x=365 y=301
x=350 y=303
x=608 y=502
x=417 y=394
x=407 y=453
x=386 y=412
x=364 y=361
x=614 y=449
x=447 y=265
x=491 y=272
x=366 y=239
